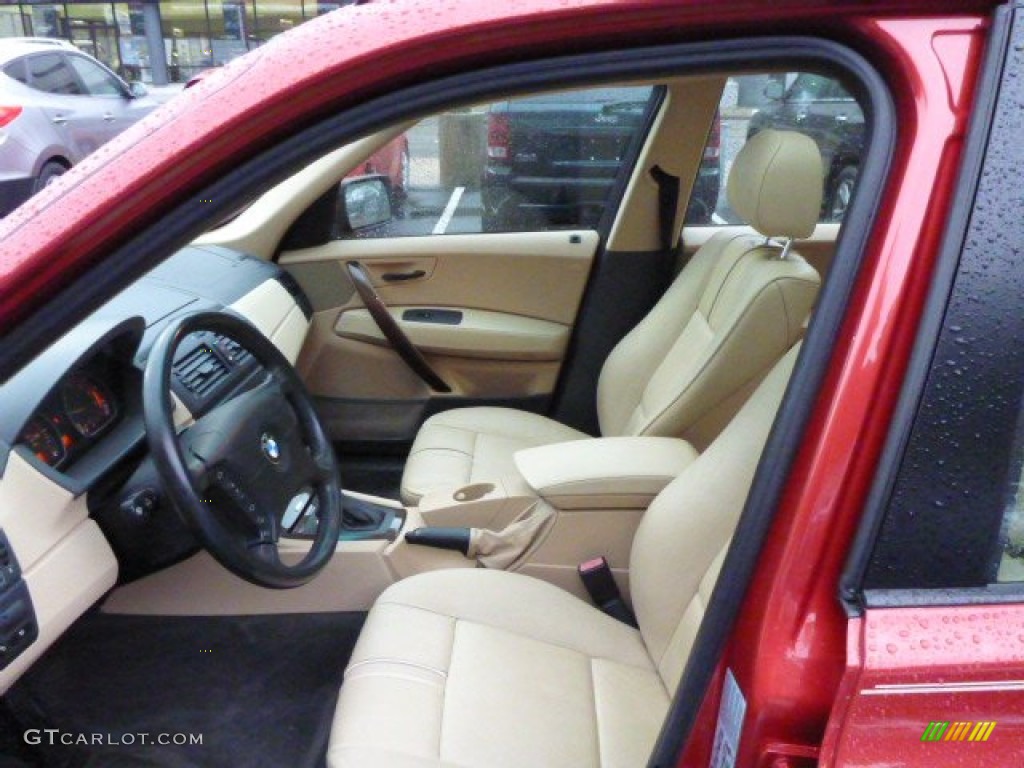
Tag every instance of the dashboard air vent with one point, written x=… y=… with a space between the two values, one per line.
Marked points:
x=200 y=371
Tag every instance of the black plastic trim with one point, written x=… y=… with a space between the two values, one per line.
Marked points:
x=932 y=318
x=291 y=285
x=991 y=594
x=21 y=396
x=314 y=226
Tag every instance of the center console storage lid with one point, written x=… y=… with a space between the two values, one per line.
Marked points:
x=606 y=472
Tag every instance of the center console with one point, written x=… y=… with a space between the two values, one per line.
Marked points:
x=574 y=501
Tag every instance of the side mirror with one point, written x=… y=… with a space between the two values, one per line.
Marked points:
x=773 y=91
x=363 y=202
x=137 y=90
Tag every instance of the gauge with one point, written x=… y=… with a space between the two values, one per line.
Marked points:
x=88 y=404
x=43 y=440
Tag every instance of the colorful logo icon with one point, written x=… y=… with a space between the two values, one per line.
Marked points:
x=967 y=731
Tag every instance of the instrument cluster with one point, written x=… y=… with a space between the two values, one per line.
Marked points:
x=73 y=417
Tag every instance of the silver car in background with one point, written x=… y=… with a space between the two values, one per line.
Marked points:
x=57 y=105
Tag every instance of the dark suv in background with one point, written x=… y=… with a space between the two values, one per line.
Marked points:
x=552 y=159
x=820 y=107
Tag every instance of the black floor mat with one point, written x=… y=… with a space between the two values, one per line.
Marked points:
x=259 y=690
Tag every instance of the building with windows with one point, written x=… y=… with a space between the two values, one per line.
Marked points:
x=160 y=41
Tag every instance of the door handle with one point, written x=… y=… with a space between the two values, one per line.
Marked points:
x=397 y=277
x=392 y=332
x=107 y=117
x=60 y=120
x=841 y=118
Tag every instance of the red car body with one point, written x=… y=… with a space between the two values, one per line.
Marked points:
x=391 y=160
x=803 y=664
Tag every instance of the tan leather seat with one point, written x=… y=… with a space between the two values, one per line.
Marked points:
x=490 y=669
x=685 y=369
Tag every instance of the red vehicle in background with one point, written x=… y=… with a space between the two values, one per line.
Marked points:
x=196 y=420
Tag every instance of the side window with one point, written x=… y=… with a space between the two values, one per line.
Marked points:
x=813 y=104
x=1011 y=556
x=16 y=71
x=540 y=162
x=48 y=72
x=97 y=80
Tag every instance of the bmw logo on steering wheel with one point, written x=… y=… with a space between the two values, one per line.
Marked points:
x=270 y=447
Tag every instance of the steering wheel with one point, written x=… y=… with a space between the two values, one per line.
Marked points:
x=239 y=470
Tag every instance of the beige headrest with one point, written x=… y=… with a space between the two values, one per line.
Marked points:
x=775 y=184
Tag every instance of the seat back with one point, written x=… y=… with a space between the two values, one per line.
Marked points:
x=732 y=312
x=681 y=541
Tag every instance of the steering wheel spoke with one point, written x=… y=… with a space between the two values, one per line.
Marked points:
x=254 y=452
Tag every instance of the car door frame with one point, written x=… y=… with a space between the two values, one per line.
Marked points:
x=933 y=671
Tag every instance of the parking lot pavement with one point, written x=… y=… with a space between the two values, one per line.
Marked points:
x=437 y=211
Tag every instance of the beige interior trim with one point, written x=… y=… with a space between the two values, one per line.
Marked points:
x=676 y=144
x=580 y=244
x=695 y=237
x=533 y=274
x=182 y=416
x=63 y=584
x=351 y=580
x=64 y=557
x=274 y=312
x=35 y=512
x=200 y=586
x=259 y=229
x=487 y=505
x=606 y=472
x=482 y=334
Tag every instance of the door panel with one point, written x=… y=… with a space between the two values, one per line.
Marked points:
x=492 y=314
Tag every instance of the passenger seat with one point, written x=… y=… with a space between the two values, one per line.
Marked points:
x=688 y=366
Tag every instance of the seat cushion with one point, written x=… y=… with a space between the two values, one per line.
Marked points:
x=489 y=668
x=469 y=445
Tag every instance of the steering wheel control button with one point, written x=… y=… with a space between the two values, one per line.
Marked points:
x=270 y=447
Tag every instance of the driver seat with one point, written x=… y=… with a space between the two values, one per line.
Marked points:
x=481 y=668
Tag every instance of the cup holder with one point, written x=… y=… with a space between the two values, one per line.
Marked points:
x=473 y=492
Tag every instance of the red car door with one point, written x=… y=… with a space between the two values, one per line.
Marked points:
x=935 y=657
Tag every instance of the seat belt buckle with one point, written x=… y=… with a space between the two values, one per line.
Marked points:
x=597 y=578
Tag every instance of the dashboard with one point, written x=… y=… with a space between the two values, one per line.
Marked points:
x=80 y=500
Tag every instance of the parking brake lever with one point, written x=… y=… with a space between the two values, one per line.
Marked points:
x=441 y=538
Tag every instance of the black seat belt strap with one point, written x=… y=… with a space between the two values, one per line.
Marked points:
x=668 y=203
